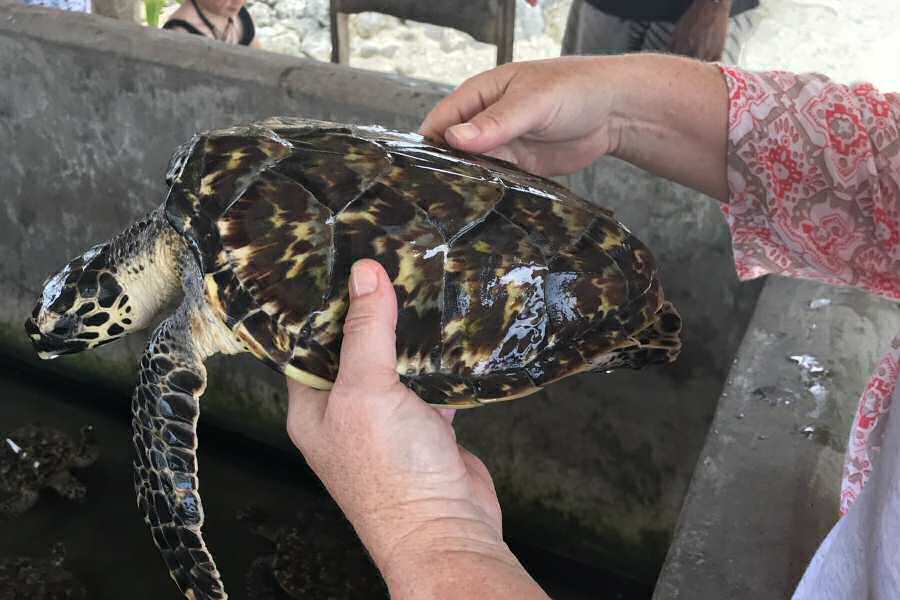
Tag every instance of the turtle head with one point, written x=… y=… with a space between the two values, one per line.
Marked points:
x=110 y=290
x=82 y=306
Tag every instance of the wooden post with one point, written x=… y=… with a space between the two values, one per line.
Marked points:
x=506 y=28
x=340 y=35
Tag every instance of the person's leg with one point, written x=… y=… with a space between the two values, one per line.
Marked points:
x=658 y=37
x=740 y=29
x=591 y=31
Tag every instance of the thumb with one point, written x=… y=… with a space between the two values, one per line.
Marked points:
x=369 y=347
x=513 y=115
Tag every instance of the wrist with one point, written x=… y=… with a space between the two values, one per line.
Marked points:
x=659 y=103
x=670 y=117
x=629 y=119
x=397 y=535
x=456 y=558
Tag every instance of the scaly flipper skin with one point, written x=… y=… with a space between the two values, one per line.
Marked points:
x=165 y=408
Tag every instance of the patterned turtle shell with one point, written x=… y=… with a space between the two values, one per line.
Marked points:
x=505 y=281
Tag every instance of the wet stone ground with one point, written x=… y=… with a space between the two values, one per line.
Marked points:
x=108 y=548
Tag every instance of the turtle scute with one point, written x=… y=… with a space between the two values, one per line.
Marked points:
x=505 y=281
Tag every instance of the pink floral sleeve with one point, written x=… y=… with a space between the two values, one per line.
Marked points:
x=814 y=175
x=814 y=179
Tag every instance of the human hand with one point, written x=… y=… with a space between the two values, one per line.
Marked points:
x=389 y=460
x=666 y=114
x=702 y=30
x=550 y=117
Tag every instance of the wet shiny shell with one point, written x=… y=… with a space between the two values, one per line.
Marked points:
x=505 y=281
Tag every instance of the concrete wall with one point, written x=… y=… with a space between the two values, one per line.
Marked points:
x=594 y=468
x=765 y=491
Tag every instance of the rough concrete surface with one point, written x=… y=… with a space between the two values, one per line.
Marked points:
x=594 y=469
x=766 y=488
x=126 y=10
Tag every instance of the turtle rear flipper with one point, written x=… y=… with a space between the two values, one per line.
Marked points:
x=658 y=343
x=165 y=408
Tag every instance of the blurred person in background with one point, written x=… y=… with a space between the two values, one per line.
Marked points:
x=711 y=30
x=226 y=21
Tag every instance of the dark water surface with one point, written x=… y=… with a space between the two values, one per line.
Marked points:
x=108 y=546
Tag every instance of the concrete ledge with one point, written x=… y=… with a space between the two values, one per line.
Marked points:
x=765 y=490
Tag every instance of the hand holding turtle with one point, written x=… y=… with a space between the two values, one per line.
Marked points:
x=541 y=115
x=423 y=506
x=665 y=114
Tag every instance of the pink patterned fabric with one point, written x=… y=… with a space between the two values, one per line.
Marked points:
x=814 y=180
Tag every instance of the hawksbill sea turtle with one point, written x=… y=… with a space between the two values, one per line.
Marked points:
x=505 y=283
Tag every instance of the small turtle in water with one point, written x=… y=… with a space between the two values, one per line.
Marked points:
x=505 y=282
x=26 y=578
x=318 y=556
x=35 y=458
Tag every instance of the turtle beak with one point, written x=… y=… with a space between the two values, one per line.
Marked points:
x=57 y=342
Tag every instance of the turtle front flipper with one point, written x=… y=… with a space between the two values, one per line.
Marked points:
x=165 y=408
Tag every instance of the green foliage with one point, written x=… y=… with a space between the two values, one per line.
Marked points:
x=153 y=9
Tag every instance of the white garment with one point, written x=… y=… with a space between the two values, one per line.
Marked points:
x=860 y=557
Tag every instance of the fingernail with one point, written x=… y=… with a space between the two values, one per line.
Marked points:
x=363 y=280
x=464 y=132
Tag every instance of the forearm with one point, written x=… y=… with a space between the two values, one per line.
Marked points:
x=670 y=117
x=458 y=561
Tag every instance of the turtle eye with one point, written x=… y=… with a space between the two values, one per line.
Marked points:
x=65 y=326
